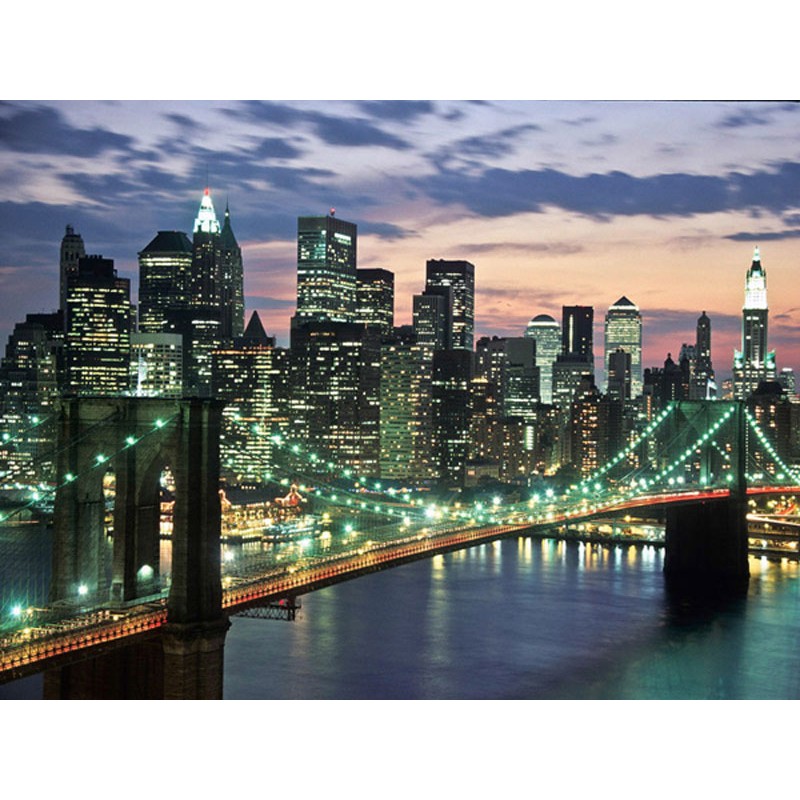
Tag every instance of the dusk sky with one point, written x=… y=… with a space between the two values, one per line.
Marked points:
x=556 y=203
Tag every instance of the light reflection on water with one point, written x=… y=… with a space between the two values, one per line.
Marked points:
x=518 y=618
x=527 y=619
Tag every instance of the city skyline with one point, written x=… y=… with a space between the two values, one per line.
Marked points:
x=556 y=203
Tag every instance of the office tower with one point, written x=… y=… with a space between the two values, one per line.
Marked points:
x=450 y=394
x=156 y=365
x=623 y=331
x=546 y=332
x=510 y=364
x=703 y=386
x=202 y=324
x=246 y=377
x=98 y=329
x=375 y=299
x=72 y=249
x=787 y=380
x=431 y=315
x=28 y=389
x=753 y=363
x=335 y=392
x=570 y=372
x=326 y=270
x=595 y=430
x=232 y=278
x=405 y=408
x=165 y=269
x=577 y=336
x=460 y=277
x=619 y=375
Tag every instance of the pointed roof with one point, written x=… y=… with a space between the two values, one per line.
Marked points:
x=623 y=301
x=254 y=332
x=756 y=265
x=228 y=238
x=206 y=220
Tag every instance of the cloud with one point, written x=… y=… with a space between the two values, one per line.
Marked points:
x=772 y=236
x=275 y=147
x=557 y=249
x=42 y=129
x=493 y=145
x=340 y=131
x=756 y=116
x=397 y=110
x=501 y=192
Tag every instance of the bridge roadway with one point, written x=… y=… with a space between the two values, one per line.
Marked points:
x=86 y=634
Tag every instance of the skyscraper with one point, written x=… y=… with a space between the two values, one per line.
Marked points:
x=547 y=335
x=98 y=329
x=375 y=299
x=577 y=333
x=703 y=386
x=72 y=249
x=232 y=278
x=165 y=268
x=459 y=276
x=754 y=363
x=432 y=313
x=326 y=270
x=623 y=331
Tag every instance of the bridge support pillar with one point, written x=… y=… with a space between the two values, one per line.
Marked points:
x=706 y=545
x=193 y=660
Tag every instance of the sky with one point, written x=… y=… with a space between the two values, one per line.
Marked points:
x=555 y=202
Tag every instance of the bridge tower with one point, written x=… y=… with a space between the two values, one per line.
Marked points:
x=137 y=438
x=706 y=546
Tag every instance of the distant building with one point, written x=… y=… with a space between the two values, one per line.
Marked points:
x=375 y=299
x=72 y=249
x=99 y=321
x=165 y=267
x=326 y=270
x=754 y=362
x=432 y=314
x=623 y=331
x=156 y=365
x=577 y=333
x=546 y=332
x=703 y=386
x=459 y=277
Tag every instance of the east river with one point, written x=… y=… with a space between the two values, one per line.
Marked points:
x=521 y=619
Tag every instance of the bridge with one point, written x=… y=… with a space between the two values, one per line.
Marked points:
x=117 y=606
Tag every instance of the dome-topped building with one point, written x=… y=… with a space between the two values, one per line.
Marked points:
x=547 y=333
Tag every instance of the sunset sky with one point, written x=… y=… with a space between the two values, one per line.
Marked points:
x=556 y=203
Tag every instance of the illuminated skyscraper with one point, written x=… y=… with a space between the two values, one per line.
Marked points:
x=459 y=276
x=156 y=365
x=72 y=249
x=624 y=332
x=165 y=268
x=375 y=299
x=432 y=313
x=326 y=270
x=703 y=386
x=98 y=329
x=545 y=331
x=753 y=363
x=232 y=280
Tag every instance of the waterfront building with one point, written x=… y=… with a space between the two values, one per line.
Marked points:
x=450 y=397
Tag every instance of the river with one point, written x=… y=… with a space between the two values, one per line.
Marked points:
x=521 y=619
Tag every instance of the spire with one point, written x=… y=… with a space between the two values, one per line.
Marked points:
x=228 y=238
x=756 y=254
x=206 y=220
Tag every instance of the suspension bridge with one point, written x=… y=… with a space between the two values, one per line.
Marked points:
x=113 y=575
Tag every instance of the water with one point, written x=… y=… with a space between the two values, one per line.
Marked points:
x=521 y=619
